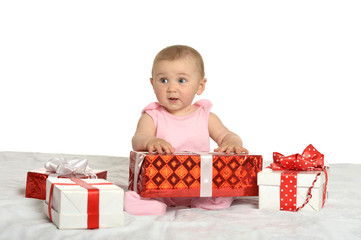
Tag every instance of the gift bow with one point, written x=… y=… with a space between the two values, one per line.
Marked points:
x=62 y=166
x=309 y=160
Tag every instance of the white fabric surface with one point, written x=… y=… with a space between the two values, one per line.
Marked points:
x=23 y=218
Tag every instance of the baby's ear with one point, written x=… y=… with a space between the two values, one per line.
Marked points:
x=202 y=86
x=151 y=82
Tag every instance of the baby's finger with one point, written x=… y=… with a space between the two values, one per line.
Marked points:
x=172 y=149
x=168 y=149
x=220 y=149
x=217 y=149
x=244 y=150
x=150 y=149
x=229 y=150
x=158 y=147
x=238 y=150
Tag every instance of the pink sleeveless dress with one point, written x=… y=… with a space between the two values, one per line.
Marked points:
x=184 y=133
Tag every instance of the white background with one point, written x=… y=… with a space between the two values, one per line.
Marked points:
x=74 y=75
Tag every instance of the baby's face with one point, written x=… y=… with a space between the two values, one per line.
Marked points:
x=175 y=84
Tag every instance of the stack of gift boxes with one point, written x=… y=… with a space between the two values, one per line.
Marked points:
x=85 y=200
x=76 y=197
x=289 y=183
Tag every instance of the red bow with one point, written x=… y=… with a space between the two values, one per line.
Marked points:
x=310 y=159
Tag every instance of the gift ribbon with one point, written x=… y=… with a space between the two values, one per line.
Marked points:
x=288 y=192
x=309 y=160
x=138 y=163
x=61 y=166
x=93 y=200
x=206 y=174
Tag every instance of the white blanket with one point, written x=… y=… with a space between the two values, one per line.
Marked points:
x=23 y=218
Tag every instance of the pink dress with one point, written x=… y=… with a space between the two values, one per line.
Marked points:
x=184 y=133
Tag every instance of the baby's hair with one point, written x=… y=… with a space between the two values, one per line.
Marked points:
x=176 y=52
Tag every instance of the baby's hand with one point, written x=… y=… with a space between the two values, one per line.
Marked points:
x=231 y=144
x=228 y=148
x=159 y=145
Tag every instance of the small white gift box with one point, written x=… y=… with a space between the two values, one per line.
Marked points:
x=83 y=203
x=269 y=182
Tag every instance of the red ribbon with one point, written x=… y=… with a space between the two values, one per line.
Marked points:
x=309 y=160
x=93 y=200
x=288 y=192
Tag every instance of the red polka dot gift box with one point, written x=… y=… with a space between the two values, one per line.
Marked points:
x=190 y=174
x=294 y=182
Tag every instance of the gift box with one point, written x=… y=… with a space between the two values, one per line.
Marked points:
x=294 y=182
x=73 y=203
x=62 y=168
x=269 y=182
x=194 y=174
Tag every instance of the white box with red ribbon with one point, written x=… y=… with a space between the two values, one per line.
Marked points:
x=294 y=182
x=289 y=198
x=83 y=203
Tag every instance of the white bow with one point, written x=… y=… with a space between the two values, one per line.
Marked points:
x=62 y=166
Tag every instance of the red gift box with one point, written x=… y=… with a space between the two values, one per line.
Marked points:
x=194 y=174
x=36 y=181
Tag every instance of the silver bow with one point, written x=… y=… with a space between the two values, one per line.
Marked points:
x=61 y=166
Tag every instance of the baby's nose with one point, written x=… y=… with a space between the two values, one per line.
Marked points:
x=171 y=87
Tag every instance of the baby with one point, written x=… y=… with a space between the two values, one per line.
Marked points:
x=175 y=124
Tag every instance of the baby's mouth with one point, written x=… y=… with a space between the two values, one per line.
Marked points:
x=173 y=100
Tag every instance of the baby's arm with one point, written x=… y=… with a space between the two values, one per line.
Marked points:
x=145 y=139
x=227 y=141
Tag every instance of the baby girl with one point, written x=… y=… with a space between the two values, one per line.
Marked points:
x=175 y=124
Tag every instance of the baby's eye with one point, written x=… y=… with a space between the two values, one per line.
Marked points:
x=163 y=80
x=182 y=80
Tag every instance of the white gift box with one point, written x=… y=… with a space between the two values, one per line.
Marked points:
x=269 y=189
x=69 y=203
